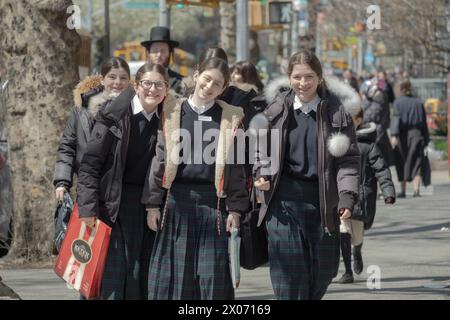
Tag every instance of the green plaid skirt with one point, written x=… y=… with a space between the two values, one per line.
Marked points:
x=189 y=259
x=126 y=268
x=303 y=258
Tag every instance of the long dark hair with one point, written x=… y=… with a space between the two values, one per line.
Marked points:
x=219 y=64
x=309 y=58
x=249 y=73
x=212 y=52
x=114 y=62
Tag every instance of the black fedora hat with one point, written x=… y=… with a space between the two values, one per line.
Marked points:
x=160 y=34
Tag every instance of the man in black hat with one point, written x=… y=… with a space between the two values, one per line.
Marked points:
x=159 y=49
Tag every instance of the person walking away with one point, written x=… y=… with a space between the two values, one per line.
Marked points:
x=409 y=131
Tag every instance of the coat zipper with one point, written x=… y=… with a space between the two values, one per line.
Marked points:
x=322 y=168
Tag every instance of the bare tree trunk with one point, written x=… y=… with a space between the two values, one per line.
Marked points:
x=228 y=29
x=38 y=56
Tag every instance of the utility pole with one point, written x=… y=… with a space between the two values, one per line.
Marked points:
x=294 y=34
x=164 y=14
x=106 y=48
x=242 y=35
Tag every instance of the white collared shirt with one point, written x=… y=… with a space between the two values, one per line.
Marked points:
x=138 y=108
x=200 y=109
x=307 y=107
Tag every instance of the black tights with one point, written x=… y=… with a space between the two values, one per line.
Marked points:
x=346 y=249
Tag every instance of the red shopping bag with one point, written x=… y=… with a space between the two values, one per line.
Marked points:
x=82 y=256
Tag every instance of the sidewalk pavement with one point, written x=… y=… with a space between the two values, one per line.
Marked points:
x=408 y=245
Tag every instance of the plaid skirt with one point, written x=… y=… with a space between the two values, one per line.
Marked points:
x=303 y=258
x=126 y=269
x=189 y=259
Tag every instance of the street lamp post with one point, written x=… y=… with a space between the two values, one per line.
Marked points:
x=164 y=14
x=106 y=48
x=242 y=50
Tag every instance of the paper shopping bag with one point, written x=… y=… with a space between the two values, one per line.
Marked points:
x=82 y=256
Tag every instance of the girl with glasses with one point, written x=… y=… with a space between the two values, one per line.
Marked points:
x=112 y=177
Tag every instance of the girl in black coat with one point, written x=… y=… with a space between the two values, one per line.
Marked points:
x=409 y=131
x=89 y=96
x=112 y=176
x=373 y=170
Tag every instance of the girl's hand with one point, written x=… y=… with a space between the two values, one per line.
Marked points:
x=59 y=193
x=153 y=217
x=90 y=221
x=262 y=184
x=233 y=221
x=345 y=213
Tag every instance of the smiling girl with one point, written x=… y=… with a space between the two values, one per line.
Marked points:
x=112 y=176
x=316 y=184
x=205 y=197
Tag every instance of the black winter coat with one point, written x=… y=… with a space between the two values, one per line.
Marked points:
x=373 y=170
x=100 y=177
x=89 y=97
x=376 y=110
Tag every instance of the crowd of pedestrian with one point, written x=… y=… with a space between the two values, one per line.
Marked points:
x=154 y=159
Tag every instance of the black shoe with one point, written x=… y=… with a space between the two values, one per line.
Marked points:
x=416 y=194
x=401 y=195
x=346 y=278
x=358 y=264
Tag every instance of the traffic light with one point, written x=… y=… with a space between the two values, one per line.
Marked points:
x=255 y=17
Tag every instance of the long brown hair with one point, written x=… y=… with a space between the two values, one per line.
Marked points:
x=249 y=73
x=114 y=62
x=309 y=58
x=219 y=64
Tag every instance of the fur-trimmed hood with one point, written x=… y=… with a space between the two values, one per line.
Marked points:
x=231 y=119
x=367 y=132
x=274 y=87
x=86 y=85
x=350 y=99
x=90 y=94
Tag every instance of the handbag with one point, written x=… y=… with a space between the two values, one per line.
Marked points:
x=254 y=246
x=81 y=260
x=61 y=220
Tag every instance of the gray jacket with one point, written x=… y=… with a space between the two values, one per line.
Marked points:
x=338 y=157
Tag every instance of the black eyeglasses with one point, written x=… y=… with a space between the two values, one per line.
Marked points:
x=159 y=85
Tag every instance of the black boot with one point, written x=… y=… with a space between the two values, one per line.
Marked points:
x=357 y=259
x=346 y=249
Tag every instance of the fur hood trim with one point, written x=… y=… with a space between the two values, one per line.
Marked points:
x=350 y=99
x=338 y=144
x=274 y=87
x=231 y=119
x=84 y=86
x=367 y=129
